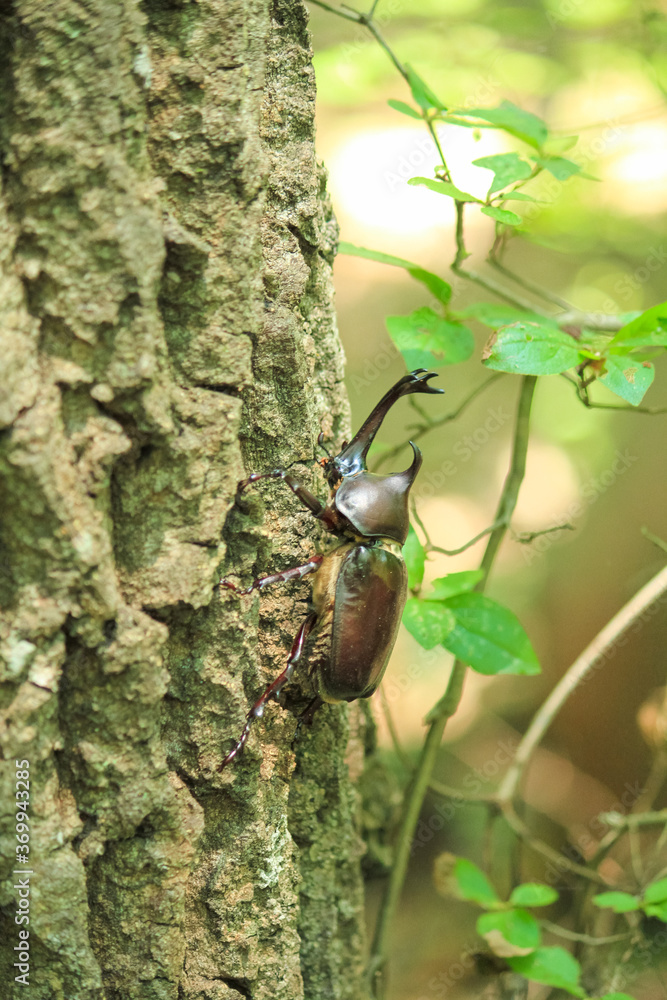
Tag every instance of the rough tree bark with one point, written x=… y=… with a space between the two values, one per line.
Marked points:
x=166 y=322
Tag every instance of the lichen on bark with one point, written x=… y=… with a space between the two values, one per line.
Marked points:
x=166 y=322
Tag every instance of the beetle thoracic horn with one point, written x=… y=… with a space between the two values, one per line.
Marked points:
x=410 y=474
x=353 y=457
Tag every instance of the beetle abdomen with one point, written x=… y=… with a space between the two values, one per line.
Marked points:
x=370 y=593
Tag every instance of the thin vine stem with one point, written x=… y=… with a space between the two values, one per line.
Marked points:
x=530 y=286
x=580 y=669
x=421 y=429
x=446 y=706
x=489 y=285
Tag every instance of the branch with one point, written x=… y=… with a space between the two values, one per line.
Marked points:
x=579 y=670
x=496 y=289
x=530 y=286
x=562 y=862
x=584 y=938
x=526 y=537
x=462 y=548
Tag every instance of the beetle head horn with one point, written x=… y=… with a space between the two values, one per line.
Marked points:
x=352 y=458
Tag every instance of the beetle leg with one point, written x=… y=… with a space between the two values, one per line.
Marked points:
x=307 y=498
x=306 y=717
x=294 y=573
x=274 y=689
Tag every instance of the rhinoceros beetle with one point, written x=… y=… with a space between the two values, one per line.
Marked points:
x=361 y=585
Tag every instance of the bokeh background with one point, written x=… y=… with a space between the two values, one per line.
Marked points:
x=596 y=69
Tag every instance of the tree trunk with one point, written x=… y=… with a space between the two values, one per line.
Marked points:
x=166 y=323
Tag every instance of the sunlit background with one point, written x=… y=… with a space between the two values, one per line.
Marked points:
x=596 y=69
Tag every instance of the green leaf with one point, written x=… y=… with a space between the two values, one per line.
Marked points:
x=436 y=286
x=516 y=121
x=533 y=894
x=425 y=339
x=510 y=932
x=488 y=637
x=558 y=166
x=518 y=196
x=619 y=902
x=462 y=879
x=647 y=330
x=551 y=966
x=627 y=379
x=422 y=93
x=502 y=215
x=658 y=910
x=531 y=349
x=429 y=622
x=616 y=996
x=415 y=558
x=454 y=583
x=495 y=315
x=381 y=258
x=442 y=187
x=507 y=167
x=404 y=108
x=656 y=892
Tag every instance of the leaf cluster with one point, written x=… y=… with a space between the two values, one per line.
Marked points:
x=477 y=630
x=513 y=933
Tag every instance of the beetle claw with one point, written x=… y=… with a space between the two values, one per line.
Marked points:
x=424 y=380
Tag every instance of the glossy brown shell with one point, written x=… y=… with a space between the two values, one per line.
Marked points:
x=366 y=596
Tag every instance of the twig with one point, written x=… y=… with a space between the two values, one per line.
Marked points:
x=582 y=396
x=581 y=667
x=337 y=11
x=526 y=537
x=521 y=828
x=655 y=539
x=461 y=252
x=448 y=792
x=530 y=286
x=462 y=548
x=496 y=289
x=592 y=321
x=515 y=476
x=583 y=938
x=634 y=819
x=389 y=719
x=366 y=21
x=415 y=514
